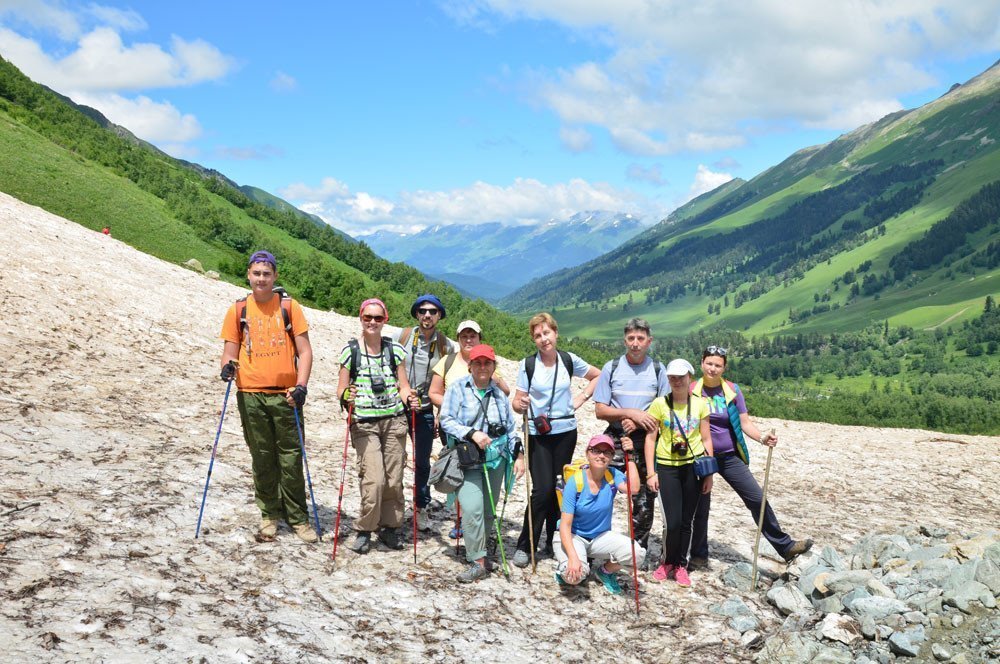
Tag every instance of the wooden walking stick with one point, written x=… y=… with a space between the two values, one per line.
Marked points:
x=531 y=525
x=760 y=520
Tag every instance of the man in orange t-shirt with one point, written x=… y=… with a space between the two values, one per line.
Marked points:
x=269 y=382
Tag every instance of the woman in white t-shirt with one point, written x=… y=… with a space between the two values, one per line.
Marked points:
x=544 y=394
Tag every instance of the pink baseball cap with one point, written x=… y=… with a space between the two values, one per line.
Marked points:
x=601 y=440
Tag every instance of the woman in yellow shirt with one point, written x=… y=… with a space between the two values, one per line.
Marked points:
x=683 y=435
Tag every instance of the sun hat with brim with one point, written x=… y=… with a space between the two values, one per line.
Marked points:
x=427 y=299
x=680 y=367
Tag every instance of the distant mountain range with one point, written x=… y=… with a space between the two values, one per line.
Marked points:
x=897 y=220
x=491 y=260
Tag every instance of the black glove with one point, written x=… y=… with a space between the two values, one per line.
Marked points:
x=299 y=395
x=228 y=372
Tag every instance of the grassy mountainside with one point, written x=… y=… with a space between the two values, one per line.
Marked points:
x=770 y=255
x=74 y=163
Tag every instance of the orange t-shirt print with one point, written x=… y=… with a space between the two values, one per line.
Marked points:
x=270 y=364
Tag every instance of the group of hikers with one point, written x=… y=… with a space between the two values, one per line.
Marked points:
x=668 y=435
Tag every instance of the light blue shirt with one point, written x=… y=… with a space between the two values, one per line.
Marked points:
x=632 y=386
x=561 y=415
x=591 y=512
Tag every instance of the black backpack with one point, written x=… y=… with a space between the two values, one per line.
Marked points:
x=386 y=351
x=529 y=365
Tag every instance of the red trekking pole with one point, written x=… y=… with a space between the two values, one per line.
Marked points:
x=343 y=474
x=413 y=441
x=631 y=534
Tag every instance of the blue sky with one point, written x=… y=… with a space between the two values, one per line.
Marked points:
x=400 y=115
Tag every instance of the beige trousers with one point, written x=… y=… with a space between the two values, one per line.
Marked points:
x=381 y=450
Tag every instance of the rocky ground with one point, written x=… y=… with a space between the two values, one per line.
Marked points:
x=109 y=402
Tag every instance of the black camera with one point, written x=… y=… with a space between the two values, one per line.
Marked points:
x=378 y=384
x=679 y=449
x=496 y=430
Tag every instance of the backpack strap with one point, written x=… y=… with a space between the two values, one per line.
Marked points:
x=529 y=365
x=284 y=299
x=405 y=336
x=355 y=357
x=386 y=350
x=529 y=368
x=449 y=362
x=388 y=354
x=567 y=361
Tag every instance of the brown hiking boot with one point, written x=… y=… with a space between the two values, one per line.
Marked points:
x=268 y=530
x=797 y=548
x=305 y=533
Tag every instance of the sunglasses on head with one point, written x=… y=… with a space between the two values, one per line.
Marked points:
x=368 y=318
x=716 y=350
x=429 y=311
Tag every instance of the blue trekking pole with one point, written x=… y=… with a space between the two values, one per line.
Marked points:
x=211 y=463
x=305 y=461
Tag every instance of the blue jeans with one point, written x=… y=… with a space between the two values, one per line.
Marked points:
x=424 y=443
x=738 y=476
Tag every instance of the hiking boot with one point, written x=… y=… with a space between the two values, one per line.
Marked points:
x=305 y=533
x=362 y=542
x=682 y=578
x=663 y=572
x=389 y=537
x=797 y=548
x=268 y=530
x=474 y=572
x=521 y=559
x=545 y=552
x=698 y=562
x=609 y=579
x=423 y=520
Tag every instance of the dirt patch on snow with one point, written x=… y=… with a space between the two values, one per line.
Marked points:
x=109 y=402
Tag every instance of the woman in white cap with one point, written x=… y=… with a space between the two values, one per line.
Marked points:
x=450 y=368
x=585 y=522
x=476 y=411
x=682 y=436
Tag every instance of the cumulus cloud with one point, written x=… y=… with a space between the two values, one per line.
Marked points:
x=149 y=120
x=576 y=139
x=525 y=201
x=42 y=16
x=706 y=180
x=684 y=76
x=282 y=82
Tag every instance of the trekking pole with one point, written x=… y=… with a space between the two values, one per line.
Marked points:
x=413 y=441
x=305 y=462
x=760 y=520
x=211 y=463
x=631 y=534
x=343 y=475
x=496 y=524
x=458 y=526
x=531 y=525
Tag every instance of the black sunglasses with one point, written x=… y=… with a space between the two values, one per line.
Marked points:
x=715 y=350
x=369 y=318
x=427 y=312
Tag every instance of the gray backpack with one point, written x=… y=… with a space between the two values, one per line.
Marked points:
x=447 y=475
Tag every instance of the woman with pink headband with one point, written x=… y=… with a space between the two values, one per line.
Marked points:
x=373 y=385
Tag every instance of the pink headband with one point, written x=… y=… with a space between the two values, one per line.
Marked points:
x=374 y=300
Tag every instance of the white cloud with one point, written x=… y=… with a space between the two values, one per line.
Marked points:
x=683 y=76
x=149 y=120
x=42 y=15
x=126 y=19
x=576 y=139
x=652 y=174
x=706 y=180
x=283 y=82
x=525 y=201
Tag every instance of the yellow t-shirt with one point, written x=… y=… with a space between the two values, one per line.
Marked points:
x=690 y=421
x=269 y=363
x=459 y=368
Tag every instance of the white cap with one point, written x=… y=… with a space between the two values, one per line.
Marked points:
x=679 y=367
x=469 y=325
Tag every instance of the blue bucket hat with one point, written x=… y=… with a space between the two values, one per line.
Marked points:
x=427 y=299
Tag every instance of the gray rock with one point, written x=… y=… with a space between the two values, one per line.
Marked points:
x=988 y=574
x=907 y=642
x=884 y=632
x=843 y=582
x=869 y=629
x=928 y=602
x=988 y=600
x=935 y=571
x=797 y=622
x=828 y=655
x=807 y=580
x=934 y=531
x=788 y=600
x=741 y=618
x=876 y=587
x=957 y=620
x=895 y=622
x=916 y=617
x=831 y=604
x=803 y=564
x=940 y=653
x=212 y=274
x=828 y=557
x=928 y=552
x=841 y=628
x=738 y=576
x=194 y=264
x=788 y=647
x=877 y=607
x=855 y=594
x=961 y=596
x=750 y=639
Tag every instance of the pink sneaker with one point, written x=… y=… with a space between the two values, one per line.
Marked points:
x=682 y=578
x=663 y=572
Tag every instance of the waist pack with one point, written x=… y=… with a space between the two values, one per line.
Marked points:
x=705 y=466
x=446 y=473
x=469 y=455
